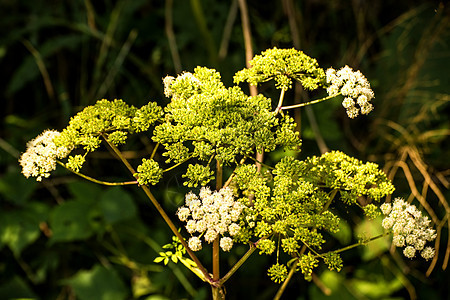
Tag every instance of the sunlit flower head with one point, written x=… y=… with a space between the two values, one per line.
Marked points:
x=354 y=87
x=41 y=154
x=212 y=215
x=410 y=229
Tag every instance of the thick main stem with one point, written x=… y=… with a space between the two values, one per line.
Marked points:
x=216 y=248
x=216 y=286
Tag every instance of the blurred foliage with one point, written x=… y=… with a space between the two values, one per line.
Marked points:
x=66 y=239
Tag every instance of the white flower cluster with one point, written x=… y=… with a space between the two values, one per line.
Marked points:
x=40 y=158
x=211 y=214
x=411 y=230
x=354 y=87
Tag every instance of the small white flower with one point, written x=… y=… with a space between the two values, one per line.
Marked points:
x=41 y=155
x=233 y=229
x=409 y=252
x=189 y=198
x=201 y=226
x=226 y=243
x=191 y=226
x=183 y=213
x=427 y=253
x=205 y=192
x=419 y=244
x=348 y=103
x=168 y=80
x=221 y=227
x=398 y=241
x=195 y=243
x=210 y=235
x=352 y=112
x=385 y=208
x=198 y=213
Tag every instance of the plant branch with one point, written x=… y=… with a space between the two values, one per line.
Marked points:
x=280 y=102
x=286 y=281
x=96 y=180
x=216 y=245
x=365 y=242
x=237 y=265
x=163 y=215
x=176 y=165
x=308 y=103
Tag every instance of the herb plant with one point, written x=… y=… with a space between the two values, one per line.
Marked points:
x=289 y=209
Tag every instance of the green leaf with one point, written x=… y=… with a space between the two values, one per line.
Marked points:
x=156 y=297
x=85 y=191
x=158 y=259
x=344 y=235
x=20 y=228
x=74 y=220
x=337 y=285
x=16 y=288
x=15 y=187
x=371 y=228
x=117 y=205
x=98 y=283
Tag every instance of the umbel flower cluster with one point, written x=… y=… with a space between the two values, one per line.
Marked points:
x=410 y=229
x=211 y=215
x=354 y=87
x=40 y=158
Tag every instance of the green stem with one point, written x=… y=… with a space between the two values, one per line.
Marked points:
x=163 y=214
x=362 y=243
x=174 y=267
x=308 y=103
x=96 y=180
x=332 y=195
x=280 y=102
x=291 y=273
x=176 y=165
x=286 y=281
x=237 y=265
x=154 y=150
x=261 y=163
x=216 y=246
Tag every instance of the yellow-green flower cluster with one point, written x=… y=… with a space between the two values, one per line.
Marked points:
x=41 y=155
x=355 y=88
x=283 y=65
x=148 y=172
x=293 y=210
x=411 y=230
x=211 y=215
x=204 y=119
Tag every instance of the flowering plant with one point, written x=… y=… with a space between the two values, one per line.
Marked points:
x=217 y=131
